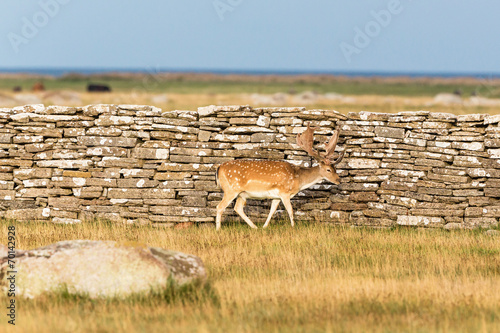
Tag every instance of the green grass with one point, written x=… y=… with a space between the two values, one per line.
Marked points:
x=217 y=86
x=311 y=278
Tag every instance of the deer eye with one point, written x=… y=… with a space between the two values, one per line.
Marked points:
x=329 y=170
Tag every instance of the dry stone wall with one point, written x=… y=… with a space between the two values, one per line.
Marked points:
x=138 y=164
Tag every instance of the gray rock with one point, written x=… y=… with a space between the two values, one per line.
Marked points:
x=419 y=220
x=453 y=226
x=447 y=99
x=101 y=269
x=389 y=132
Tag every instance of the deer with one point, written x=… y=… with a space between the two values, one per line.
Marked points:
x=276 y=180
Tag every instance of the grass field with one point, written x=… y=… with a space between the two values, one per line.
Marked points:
x=200 y=83
x=312 y=278
x=190 y=91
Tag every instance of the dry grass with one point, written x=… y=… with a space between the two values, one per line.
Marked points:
x=188 y=91
x=373 y=103
x=191 y=101
x=313 y=278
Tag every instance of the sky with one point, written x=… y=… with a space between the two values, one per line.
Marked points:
x=404 y=36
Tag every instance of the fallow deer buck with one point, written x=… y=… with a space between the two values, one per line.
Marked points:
x=275 y=180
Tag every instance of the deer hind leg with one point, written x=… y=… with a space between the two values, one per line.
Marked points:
x=289 y=209
x=226 y=200
x=274 y=206
x=238 y=207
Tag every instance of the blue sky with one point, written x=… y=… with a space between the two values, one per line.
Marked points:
x=388 y=35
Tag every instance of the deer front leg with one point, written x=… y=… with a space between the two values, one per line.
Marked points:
x=274 y=206
x=238 y=207
x=288 y=206
x=226 y=200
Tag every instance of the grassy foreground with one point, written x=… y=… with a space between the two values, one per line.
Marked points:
x=313 y=278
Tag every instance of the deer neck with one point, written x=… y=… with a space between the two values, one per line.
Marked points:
x=308 y=177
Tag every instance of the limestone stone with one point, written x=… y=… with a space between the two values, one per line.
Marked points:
x=166 y=135
x=492 y=143
x=419 y=220
x=43 y=192
x=475 y=117
x=194 y=201
x=107 y=141
x=364 y=196
x=65 y=220
x=447 y=178
x=390 y=132
x=107 y=151
x=28 y=214
x=480 y=172
x=483 y=222
x=89 y=267
x=95 y=110
x=136 y=173
x=441 y=116
x=103 y=131
x=32 y=183
x=136 y=183
x=118 y=162
x=38 y=147
x=365 y=115
x=22 y=139
x=467 y=161
x=88 y=192
x=436 y=125
x=151 y=153
x=398 y=186
x=361 y=163
x=24 y=174
x=453 y=226
x=74 y=132
x=494 y=233
x=491 y=119
x=477 y=146
x=456 y=138
x=430 y=162
x=147 y=193
x=437 y=212
x=492 y=192
x=65 y=164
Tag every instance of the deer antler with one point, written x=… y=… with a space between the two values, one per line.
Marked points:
x=330 y=147
x=306 y=140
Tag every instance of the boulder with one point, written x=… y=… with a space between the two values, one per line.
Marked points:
x=447 y=99
x=274 y=99
x=493 y=233
x=62 y=98
x=453 y=226
x=306 y=97
x=100 y=269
